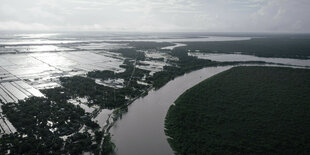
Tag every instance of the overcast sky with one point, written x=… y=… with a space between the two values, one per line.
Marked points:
x=156 y=15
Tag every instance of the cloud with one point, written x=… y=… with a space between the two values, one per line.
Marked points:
x=19 y=26
x=156 y=15
x=283 y=15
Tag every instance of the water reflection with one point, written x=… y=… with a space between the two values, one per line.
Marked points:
x=37 y=48
x=36 y=35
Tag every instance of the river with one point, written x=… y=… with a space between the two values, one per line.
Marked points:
x=241 y=57
x=141 y=130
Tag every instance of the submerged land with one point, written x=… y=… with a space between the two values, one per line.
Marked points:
x=55 y=104
x=245 y=110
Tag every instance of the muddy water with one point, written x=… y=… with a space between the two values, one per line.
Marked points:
x=141 y=130
x=241 y=57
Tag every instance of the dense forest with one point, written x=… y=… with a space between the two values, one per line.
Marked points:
x=264 y=47
x=41 y=122
x=245 y=110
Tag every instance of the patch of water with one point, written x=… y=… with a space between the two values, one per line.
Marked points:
x=241 y=57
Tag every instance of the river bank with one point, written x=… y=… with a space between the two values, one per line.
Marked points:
x=142 y=127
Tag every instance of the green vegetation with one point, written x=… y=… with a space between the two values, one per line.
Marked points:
x=41 y=122
x=65 y=116
x=32 y=117
x=265 y=47
x=142 y=45
x=245 y=110
x=105 y=97
x=185 y=64
x=107 y=145
x=131 y=53
x=18 y=144
x=131 y=73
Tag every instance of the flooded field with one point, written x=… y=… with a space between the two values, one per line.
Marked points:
x=33 y=62
x=30 y=63
x=38 y=60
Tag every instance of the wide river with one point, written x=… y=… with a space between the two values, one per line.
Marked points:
x=141 y=130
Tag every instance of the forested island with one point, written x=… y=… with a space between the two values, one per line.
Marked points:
x=245 y=110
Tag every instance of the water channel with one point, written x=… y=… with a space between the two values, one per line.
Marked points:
x=141 y=130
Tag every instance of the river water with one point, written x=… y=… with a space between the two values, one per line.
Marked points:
x=241 y=57
x=141 y=130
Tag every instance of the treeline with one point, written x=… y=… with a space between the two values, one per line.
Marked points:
x=131 y=75
x=184 y=65
x=131 y=53
x=130 y=72
x=245 y=110
x=97 y=94
x=284 y=47
x=149 y=45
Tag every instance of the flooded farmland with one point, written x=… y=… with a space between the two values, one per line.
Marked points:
x=33 y=62
x=30 y=64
